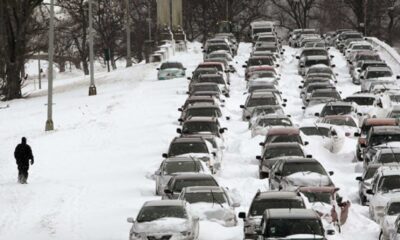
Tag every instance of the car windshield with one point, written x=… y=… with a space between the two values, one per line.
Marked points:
x=171 y=65
x=192 y=101
x=314 y=52
x=187 y=147
x=152 y=213
x=394 y=114
x=266 y=122
x=311 y=62
x=315 y=131
x=378 y=139
x=261 y=30
x=198 y=72
x=213 y=48
x=263 y=111
x=283 y=138
x=260 y=61
x=295 y=167
x=389 y=158
x=395 y=98
x=262 y=75
x=201 y=88
x=365 y=65
x=368 y=57
x=181 y=183
x=253 y=102
x=181 y=166
x=258 y=207
x=318 y=197
x=319 y=94
x=370 y=173
x=315 y=87
x=204 y=112
x=394 y=208
x=320 y=70
x=362 y=47
x=389 y=183
x=196 y=127
x=336 y=110
x=362 y=101
x=378 y=74
x=269 y=48
x=208 y=197
x=285 y=227
x=266 y=39
x=218 y=80
x=283 y=152
x=341 y=122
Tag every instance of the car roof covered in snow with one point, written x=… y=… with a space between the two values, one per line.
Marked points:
x=284 y=195
x=293 y=213
x=284 y=131
x=181 y=159
x=193 y=176
x=187 y=139
x=295 y=159
x=155 y=203
x=203 y=105
x=204 y=189
x=339 y=103
x=201 y=119
x=282 y=145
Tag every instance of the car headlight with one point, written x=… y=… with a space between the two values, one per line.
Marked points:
x=205 y=159
x=185 y=233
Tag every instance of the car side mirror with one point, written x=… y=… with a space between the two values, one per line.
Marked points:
x=331 y=173
x=178 y=130
x=242 y=106
x=301 y=87
x=284 y=105
x=333 y=65
x=157 y=173
x=356 y=134
x=297 y=57
x=306 y=143
x=180 y=109
x=180 y=120
x=158 y=69
x=204 y=51
x=308 y=156
x=359 y=70
x=369 y=191
x=244 y=66
x=363 y=145
x=397 y=77
x=359 y=179
x=242 y=215
x=130 y=220
x=258 y=157
x=214 y=154
x=228 y=118
x=304 y=108
x=221 y=130
x=164 y=155
x=189 y=78
x=284 y=100
x=261 y=144
x=248 y=117
x=359 y=114
x=277 y=65
x=316 y=114
x=361 y=77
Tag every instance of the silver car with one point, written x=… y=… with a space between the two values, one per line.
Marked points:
x=179 y=181
x=174 y=165
x=164 y=219
x=211 y=203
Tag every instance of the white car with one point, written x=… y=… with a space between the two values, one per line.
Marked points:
x=388 y=227
x=212 y=204
x=328 y=135
x=263 y=123
x=164 y=219
x=347 y=124
x=385 y=186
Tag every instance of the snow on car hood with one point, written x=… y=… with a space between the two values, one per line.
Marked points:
x=308 y=179
x=162 y=225
x=210 y=211
x=382 y=198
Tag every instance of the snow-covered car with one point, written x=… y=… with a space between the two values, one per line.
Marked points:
x=285 y=134
x=200 y=99
x=364 y=182
x=258 y=99
x=347 y=124
x=323 y=96
x=170 y=70
x=358 y=46
x=361 y=66
x=254 y=85
x=291 y=173
x=267 y=200
x=206 y=89
x=196 y=147
x=214 y=78
x=385 y=186
x=211 y=203
x=164 y=219
x=263 y=111
x=201 y=110
x=220 y=54
x=366 y=102
x=309 y=61
x=396 y=232
x=201 y=126
x=273 y=152
x=178 y=181
x=319 y=68
x=264 y=123
x=175 y=165
x=326 y=134
x=376 y=74
x=394 y=112
x=305 y=92
x=384 y=156
x=338 y=108
x=292 y=224
x=387 y=224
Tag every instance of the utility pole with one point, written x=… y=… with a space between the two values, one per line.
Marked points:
x=365 y=17
x=227 y=9
x=149 y=19
x=49 y=122
x=92 y=87
x=128 y=35
x=40 y=72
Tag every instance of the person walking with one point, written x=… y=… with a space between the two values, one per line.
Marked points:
x=22 y=154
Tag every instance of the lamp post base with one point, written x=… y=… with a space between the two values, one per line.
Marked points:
x=92 y=90
x=49 y=125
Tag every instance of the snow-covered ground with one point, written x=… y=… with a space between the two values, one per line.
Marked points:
x=95 y=169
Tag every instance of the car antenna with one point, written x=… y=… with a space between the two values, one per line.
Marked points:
x=214 y=199
x=196 y=168
x=316 y=126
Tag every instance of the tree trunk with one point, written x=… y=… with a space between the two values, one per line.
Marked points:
x=85 y=67
x=13 y=82
x=61 y=66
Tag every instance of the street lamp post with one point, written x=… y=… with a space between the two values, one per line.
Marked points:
x=92 y=87
x=49 y=122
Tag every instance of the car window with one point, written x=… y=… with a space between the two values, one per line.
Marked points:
x=187 y=147
x=277 y=228
x=181 y=166
x=151 y=213
x=258 y=207
x=282 y=152
x=181 y=183
x=295 y=167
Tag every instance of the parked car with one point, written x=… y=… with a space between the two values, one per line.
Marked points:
x=328 y=135
x=180 y=181
x=164 y=219
x=258 y=99
x=338 y=108
x=364 y=182
x=201 y=110
x=291 y=224
x=267 y=200
x=170 y=70
x=291 y=173
x=286 y=134
x=174 y=165
x=264 y=123
x=201 y=126
x=388 y=222
x=347 y=124
x=211 y=203
x=319 y=96
x=263 y=111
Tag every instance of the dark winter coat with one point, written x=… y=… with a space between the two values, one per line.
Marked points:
x=23 y=153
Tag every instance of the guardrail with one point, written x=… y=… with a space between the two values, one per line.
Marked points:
x=390 y=54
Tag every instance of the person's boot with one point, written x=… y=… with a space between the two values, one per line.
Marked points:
x=20 y=178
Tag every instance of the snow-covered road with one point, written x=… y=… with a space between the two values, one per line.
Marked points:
x=95 y=169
